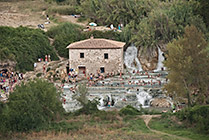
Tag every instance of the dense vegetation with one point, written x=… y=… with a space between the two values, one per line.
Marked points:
x=189 y=122
x=67 y=33
x=24 y=45
x=30 y=107
x=63 y=35
x=188 y=67
x=148 y=23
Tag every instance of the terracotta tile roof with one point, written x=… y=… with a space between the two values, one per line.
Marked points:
x=96 y=44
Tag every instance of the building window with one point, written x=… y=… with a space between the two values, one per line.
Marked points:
x=81 y=55
x=102 y=69
x=106 y=56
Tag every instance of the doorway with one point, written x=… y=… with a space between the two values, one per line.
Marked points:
x=102 y=69
x=82 y=69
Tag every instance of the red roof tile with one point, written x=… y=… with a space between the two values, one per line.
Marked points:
x=96 y=44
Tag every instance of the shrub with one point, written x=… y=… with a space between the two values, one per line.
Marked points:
x=67 y=33
x=38 y=74
x=63 y=35
x=129 y=110
x=25 y=46
x=48 y=69
x=197 y=116
x=31 y=106
x=87 y=109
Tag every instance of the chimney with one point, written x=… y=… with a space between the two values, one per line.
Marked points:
x=92 y=37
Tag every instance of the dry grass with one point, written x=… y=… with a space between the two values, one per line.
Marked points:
x=104 y=126
x=24 y=13
x=95 y=128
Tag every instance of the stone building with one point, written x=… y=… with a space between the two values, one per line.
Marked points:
x=93 y=55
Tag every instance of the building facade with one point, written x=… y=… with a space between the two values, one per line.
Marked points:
x=93 y=55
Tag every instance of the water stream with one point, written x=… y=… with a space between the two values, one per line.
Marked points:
x=131 y=60
x=126 y=91
x=160 y=65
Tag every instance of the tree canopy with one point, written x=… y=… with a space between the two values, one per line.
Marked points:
x=67 y=33
x=24 y=45
x=187 y=63
x=30 y=106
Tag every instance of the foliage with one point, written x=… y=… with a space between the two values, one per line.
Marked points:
x=67 y=33
x=129 y=110
x=187 y=63
x=202 y=9
x=31 y=106
x=24 y=46
x=116 y=11
x=64 y=126
x=165 y=23
x=197 y=116
x=172 y=125
x=63 y=35
x=135 y=124
x=148 y=23
x=81 y=94
x=89 y=107
x=39 y=74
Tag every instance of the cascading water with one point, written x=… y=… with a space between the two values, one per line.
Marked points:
x=161 y=58
x=130 y=57
x=142 y=97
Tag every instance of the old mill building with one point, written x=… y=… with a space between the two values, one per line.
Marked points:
x=93 y=55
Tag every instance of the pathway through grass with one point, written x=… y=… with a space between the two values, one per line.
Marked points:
x=147 y=119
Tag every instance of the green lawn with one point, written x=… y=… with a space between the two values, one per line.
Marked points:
x=168 y=126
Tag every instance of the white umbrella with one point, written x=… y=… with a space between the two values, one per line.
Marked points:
x=92 y=24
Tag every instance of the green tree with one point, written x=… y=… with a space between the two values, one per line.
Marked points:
x=63 y=35
x=81 y=94
x=203 y=10
x=188 y=67
x=31 y=106
x=88 y=107
x=25 y=46
x=165 y=23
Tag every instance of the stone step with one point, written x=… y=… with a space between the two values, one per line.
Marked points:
x=105 y=88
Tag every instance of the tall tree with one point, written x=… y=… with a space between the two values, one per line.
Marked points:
x=188 y=67
x=165 y=23
x=31 y=106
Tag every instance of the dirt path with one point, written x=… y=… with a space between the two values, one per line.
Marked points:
x=147 y=119
x=72 y=19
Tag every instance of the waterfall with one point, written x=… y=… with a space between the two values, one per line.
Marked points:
x=142 y=96
x=160 y=61
x=101 y=106
x=130 y=57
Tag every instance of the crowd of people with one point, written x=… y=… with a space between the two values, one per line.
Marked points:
x=8 y=80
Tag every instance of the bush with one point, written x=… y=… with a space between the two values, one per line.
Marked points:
x=63 y=35
x=39 y=74
x=25 y=46
x=129 y=110
x=31 y=106
x=48 y=69
x=87 y=109
x=197 y=116
x=67 y=33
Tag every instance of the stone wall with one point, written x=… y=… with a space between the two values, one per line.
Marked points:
x=94 y=59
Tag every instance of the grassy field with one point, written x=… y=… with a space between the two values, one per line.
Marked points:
x=100 y=126
x=172 y=126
